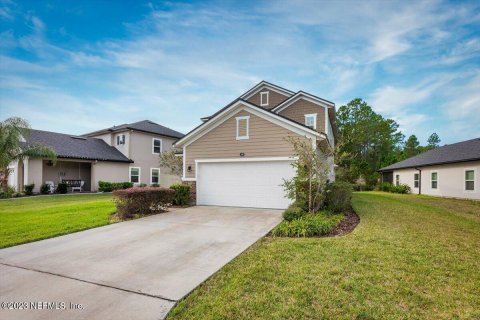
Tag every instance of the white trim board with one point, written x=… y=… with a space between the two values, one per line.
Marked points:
x=262 y=85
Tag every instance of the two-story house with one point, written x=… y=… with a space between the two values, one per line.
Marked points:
x=142 y=142
x=239 y=156
x=128 y=152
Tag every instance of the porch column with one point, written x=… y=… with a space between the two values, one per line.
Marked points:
x=25 y=171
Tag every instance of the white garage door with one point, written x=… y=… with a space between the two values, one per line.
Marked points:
x=243 y=184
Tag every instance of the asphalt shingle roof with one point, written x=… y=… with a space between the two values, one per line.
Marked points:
x=145 y=126
x=457 y=152
x=68 y=146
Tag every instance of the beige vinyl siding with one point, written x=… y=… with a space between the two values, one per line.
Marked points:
x=297 y=111
x=274 y=98
x=266 y=140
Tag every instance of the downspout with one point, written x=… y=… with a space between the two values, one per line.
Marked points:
x=419 y=180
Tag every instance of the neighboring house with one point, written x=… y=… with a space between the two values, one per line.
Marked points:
x=450 y=171
x=129 y=152
x=239 y=156
x=142 y=142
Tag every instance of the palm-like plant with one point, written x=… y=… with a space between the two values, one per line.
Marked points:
x=13 y=147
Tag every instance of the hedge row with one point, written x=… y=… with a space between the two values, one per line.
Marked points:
x=137 y=201
x=106 y=186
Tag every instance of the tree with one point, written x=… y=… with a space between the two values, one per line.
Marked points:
x=312 y=170
x=433 y=141
x=172 y=161
x=13 y=132
x=412 y=147
x=367 y=142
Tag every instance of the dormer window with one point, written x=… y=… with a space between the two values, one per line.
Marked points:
x=120 y=139
x=311 y=120
x=242 y=128
x=264 y=98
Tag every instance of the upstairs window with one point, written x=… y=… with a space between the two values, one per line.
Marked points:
x=120 y=139
x=154 y=175
x=156 y=146
x=134 y=175
x=311 y=120
x=243 y=127
x=264 y=98
x=416 y=179
x=470 y=180
x=434 y=180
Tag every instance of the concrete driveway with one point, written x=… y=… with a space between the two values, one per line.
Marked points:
x=130 y=270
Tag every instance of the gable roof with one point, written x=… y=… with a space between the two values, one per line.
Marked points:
x=298 y=95
x=263 y=83
x=240 y=101
x=458 y=152
x=144 y=126
x=75 y=147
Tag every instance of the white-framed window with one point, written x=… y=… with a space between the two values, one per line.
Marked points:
x=434 y=180
x=154 y=175
x=120 y=139
x=469 y=180
x=397 y=179
x=156 y=146
x=243 y=127
x=416 y=180
x=311 y=120
x=264 y=98
x=135 y=175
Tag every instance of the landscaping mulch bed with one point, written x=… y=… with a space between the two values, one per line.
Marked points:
x=347 y=225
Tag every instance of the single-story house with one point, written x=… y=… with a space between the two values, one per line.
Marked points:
x=450 y=171
x=239 y=156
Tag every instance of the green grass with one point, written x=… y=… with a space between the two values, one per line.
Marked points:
x=411 y=257
x=35 y=218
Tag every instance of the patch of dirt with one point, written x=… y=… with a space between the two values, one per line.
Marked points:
x=347 y=225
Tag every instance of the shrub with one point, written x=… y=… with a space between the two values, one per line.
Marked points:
x=44 y=189
x=401 y=188
x=137 y=201
x=62 y=187
x=293 y=212
x=182 y=194
x=156 y=185
x=28 y=188
x=362 y=187
x=386 y=186
x=106 y=186
x=338 y=196
x=8 y=193
x=142 y=185
x=309 y=225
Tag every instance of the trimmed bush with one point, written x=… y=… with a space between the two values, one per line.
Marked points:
x=182 y=194
x=293 y=212
x=106 y=186
x=338 y=196
x=28 y=188
x=142 y=185
x=62 y=187
x=138 y=201
x=401 y=188
x=44 y=189
x=156 y=185
x=309 y=225
x=8 y=193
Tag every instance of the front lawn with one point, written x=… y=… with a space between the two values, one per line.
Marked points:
x=411 y=257
x=35 y=218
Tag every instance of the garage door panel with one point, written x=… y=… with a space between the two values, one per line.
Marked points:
x=243 y=184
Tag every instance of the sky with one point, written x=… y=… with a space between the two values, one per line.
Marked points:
x=80 y=66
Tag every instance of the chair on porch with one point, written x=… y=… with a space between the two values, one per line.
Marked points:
x=51 y=185
x=78 y=187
